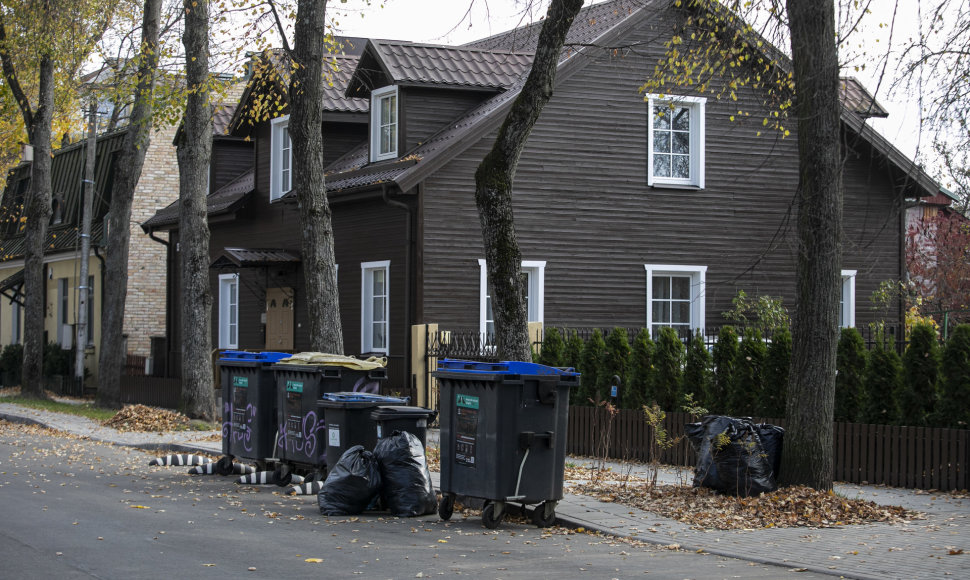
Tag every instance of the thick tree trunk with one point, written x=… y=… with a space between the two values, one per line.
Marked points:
x=493 y=186
x=194 y=152
x=306 y=133
x=128 y=168
x=807 y=456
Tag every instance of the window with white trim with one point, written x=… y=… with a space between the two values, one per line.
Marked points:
x=374 y=309
x=675 y=297
x=847 y=300
x=533 y=278
x=90 y=305
x=63 y=299
x=228 y=310
x=383 y=123
x=675 y=141
x=15 y=324
x=281 y=158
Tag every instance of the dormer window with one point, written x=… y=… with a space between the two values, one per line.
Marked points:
x=383 y=123
x=281 y=160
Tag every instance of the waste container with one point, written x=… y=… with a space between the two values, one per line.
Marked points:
x=302 y=431
x=248 y=406
x=414 y=420
x=503 y=435
x=348 y=420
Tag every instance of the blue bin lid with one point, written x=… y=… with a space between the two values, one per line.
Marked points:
x=265 y=357
x=351 y=397
x=508 y=367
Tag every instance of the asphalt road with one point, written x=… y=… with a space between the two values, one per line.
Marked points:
x=76 y=509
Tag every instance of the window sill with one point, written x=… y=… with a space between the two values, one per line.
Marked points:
x=685 y=186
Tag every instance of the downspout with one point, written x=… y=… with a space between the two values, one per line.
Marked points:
x=168 y=299
x=407 y=281
x=97 y=253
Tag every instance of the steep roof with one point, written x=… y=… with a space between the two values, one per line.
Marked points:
x=225 y=200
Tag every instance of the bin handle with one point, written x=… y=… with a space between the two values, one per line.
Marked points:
x=518 y=482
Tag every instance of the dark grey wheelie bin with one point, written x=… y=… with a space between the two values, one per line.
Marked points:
x=248 y=406
x=503 y=436
x=349 y=422
x=302 y=443
x=414 y=420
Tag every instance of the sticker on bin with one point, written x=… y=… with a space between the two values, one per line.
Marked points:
x=294 y=386
x=333 y=435
x=240 y=381
x=466 y=433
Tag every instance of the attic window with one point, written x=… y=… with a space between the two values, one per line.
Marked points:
x=675 y=139
x=383 y=123
x=281 y=159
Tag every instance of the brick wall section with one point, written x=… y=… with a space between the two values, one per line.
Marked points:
x=157 y=188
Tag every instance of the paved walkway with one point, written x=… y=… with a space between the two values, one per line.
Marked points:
x=936 y=547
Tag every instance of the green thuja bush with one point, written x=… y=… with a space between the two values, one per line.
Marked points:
x=573 y=352
x=591 y=362
x=57 y=361
x=725 y=357
x=850 y=362
x=616 y=362
x=953 y=409
x=776 y=374
x=921 y=372
x=553 y=348
x=881 y=381
x=640 y=389
x=745 y=392
x=11 y=363
x=697 y=370
x=668 y=363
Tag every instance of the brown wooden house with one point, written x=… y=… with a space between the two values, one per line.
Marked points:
x=624 y=217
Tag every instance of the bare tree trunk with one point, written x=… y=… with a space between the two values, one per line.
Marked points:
x=493 y=186
x=128 y=168
x=194 y=151
x=306 y=133
x=807 y=456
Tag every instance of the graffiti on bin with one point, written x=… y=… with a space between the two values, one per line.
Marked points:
x=239 y=428
x=361 y=386
x=301 y=436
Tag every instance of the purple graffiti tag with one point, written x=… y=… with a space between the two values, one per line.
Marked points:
x=310 y=425
x=366 y=387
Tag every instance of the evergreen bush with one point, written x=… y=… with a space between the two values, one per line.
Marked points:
x=641 y=363
x=668 y=363
x=11 y=364
x=616 y=362
x=746 y=391
x=921 y=373
x=590 y=365
x=572 y=357
x=553 y=348
x=776 y=373
x=697 y=370
x=953 y=409
x=850 y=363
x=57 y=361
x=725 y=357
x=882 y=379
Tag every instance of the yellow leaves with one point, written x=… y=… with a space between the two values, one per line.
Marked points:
x=140 y=507
x=314 y=560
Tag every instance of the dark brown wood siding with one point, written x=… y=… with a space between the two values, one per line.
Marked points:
x=425 y=111
x=583 y=206
x=230 y=159
x=338 y=138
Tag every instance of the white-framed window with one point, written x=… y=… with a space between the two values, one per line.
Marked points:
x=675 y=296
x=374 y=308
x=63 y=299
x=90 y=306
x=383 y=123
x=15 y=318
x=847 y=300
x=228 y=310
x=534 y=278
x=281 y=158
x=675 y=141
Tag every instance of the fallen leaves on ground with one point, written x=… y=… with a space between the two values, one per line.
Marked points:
x=145 y=418
x=795 y=506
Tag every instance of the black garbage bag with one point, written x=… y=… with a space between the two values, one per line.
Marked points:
x=351 y=485
x=772 y=438
x=701 y=436
x=743 y=468
x=406 y=490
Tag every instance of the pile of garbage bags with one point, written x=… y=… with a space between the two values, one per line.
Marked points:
x=735 y=456
x=394 y=476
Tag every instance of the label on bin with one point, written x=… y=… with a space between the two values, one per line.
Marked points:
x=294 y=386
x=466 y=431
x=333 y=435
x=240 y=381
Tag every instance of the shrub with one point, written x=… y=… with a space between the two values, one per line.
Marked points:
x=553 y=348
x=725 y=357
x=589 y=366
x=641 y=363
x=882 y=379
x=57 y=361
x=616 y=362
x=667 y=364
x=745 y=393
x=571 y=357
x=921 y=373
x=697 y=370
x=953 y=408
x=776 y=373
x=850 y=363
x=11 y=363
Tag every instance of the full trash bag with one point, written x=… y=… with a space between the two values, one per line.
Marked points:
x=701 y=436
x=772 y=438
x=352 y=483
x=743 y=468
x=406 y=489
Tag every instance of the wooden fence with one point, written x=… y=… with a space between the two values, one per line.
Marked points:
x=152 y=391
x=912 y=457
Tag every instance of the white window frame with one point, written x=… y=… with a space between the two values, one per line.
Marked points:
x=698 y=280
x=377 y=123
x=367 y=321
x=16 y=314
x=90 y=307
x=281 y=158
x=847 y=306
x=226 y=321
x=536 y=272
x=63 y=305
x=697 y=106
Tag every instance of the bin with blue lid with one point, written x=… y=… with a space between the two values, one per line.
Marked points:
x=248 y=406
x=503 y=436
x=348 y=420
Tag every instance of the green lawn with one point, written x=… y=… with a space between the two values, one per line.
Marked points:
x=84 y=410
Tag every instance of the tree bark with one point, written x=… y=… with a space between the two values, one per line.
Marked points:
x=807 y=458
x=128 y=168
x=493 y=186
x=306 y=133
x=194 y=151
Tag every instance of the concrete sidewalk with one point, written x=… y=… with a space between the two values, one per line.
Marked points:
x=935 y=547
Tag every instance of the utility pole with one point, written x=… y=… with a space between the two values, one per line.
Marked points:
x=83 y=287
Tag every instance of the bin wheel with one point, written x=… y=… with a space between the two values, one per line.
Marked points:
x=492 y=516
x=544 y=515
x=224 y=465
x=447 y=506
